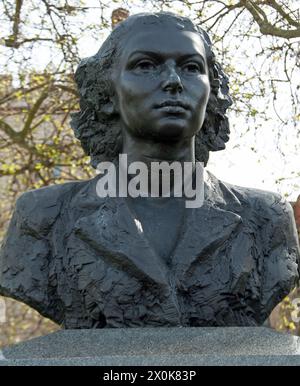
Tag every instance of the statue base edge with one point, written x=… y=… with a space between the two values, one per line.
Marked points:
x=162 y=346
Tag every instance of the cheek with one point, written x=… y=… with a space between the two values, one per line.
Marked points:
x=133 y=99
x=133 y=89
x=200 y=91
x=207 y=91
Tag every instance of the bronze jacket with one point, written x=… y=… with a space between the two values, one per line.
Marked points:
x=81 y=260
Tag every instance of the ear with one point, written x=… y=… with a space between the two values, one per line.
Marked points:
x=110 y=107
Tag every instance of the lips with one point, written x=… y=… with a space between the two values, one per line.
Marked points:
x=172 y=103
x=172 y=107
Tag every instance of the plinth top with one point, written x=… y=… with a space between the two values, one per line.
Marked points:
x=158 y=346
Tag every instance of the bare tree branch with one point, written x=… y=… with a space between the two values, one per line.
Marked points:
x=266 y=28
x=17 y=19
x=284 y=14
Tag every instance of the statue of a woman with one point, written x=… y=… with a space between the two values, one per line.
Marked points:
x=154 y=92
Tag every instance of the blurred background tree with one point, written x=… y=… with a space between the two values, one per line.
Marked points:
x=41 y=43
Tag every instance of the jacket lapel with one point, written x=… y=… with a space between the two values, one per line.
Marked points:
x=113 y=231
x=208 y=227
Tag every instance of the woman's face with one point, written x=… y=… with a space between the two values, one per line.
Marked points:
x=161 y=83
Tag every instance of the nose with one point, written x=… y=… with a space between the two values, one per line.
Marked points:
x=172 y=81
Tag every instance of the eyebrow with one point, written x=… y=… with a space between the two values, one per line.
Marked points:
x=159 y=55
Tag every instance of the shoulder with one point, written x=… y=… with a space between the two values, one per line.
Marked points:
x=275 y=215
x=269 y=206
x=25 y=252
x=38 y=209
x=268 y=212
x=264 y=203
x=271 y=220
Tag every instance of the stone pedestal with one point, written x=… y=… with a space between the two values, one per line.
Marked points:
x=158 y=347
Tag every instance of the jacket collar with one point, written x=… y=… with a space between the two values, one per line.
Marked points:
x=112 y=230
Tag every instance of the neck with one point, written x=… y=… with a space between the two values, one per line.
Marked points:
x=147 y=151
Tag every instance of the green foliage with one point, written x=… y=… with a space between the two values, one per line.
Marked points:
x=282 y=318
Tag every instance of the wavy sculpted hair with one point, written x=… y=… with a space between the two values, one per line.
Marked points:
x=97 y=125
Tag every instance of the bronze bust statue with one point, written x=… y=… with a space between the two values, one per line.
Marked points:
x=154 y=91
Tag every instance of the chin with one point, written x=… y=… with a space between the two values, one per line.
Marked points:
x=172 y=130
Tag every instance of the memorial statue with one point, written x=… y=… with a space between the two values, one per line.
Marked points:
x=154 y=92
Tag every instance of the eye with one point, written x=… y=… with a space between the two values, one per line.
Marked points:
x=145 y=65
x=193 y=68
